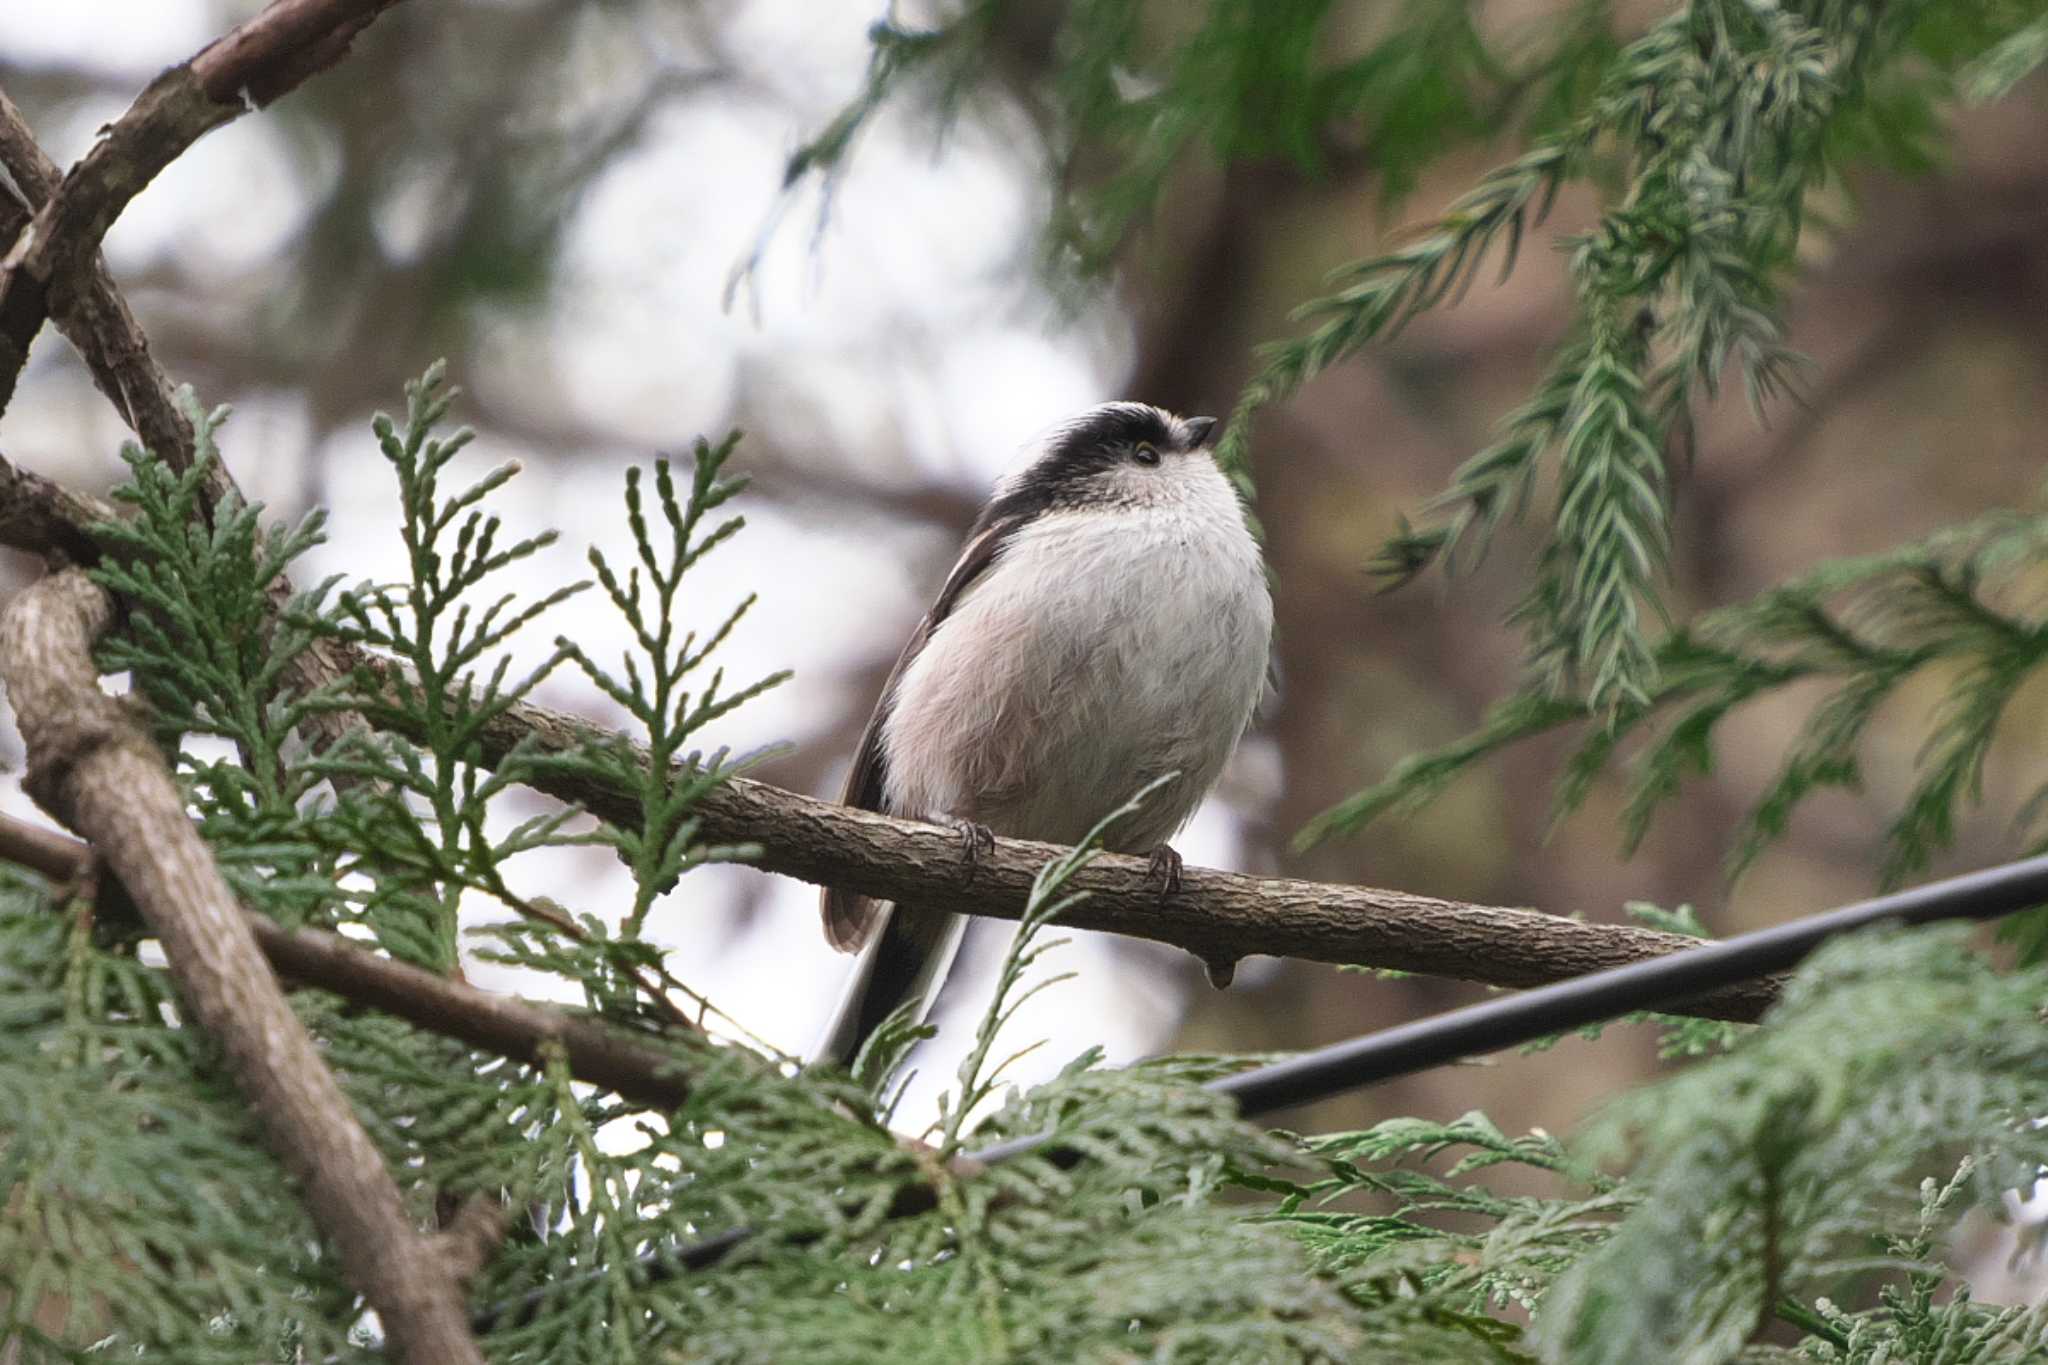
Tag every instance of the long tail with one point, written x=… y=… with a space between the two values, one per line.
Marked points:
x=906 y=960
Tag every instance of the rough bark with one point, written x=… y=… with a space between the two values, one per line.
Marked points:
x=93 y=767
x=1218 y=916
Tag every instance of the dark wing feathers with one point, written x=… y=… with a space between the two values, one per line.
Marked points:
x=849 y=917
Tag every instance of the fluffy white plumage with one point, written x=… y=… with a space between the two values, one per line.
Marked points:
x=1108 y=623
x=1112 y=642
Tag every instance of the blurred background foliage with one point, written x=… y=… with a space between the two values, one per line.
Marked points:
x=888 y=254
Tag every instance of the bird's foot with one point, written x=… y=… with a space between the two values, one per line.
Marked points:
x=975 y=840
x=1163 y=871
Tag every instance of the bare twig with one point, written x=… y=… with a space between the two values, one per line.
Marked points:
x=33 y=171
x=248 y=67
x=46 y=518
x=55 y=266
x=57 y=857
x=500 y=1024
x=91 y=765
x=278 y=49
x=92 y=316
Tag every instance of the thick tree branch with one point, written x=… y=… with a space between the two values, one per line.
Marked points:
x=1218 y=916
x=91 y=765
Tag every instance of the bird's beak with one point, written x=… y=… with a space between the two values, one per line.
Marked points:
x=1200 y=429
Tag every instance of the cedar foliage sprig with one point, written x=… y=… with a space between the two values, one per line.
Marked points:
x=1779 y=1183
x=1036 y=1259
x=1962 y=607
x=423 y=805
x=653 y=689
x=209 y=653
x=140 y=1249
x=171 y=1236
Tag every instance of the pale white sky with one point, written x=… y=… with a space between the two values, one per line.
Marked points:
x=904 y=342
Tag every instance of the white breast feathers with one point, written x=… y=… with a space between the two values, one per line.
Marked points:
x=1105 y=647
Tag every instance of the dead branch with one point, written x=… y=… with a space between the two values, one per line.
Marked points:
x=92 y=766
x=55 y=268
x=247 y=68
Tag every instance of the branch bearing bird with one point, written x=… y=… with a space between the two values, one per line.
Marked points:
x=1108 y=622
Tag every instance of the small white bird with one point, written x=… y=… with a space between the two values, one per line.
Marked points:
x=1108 y=622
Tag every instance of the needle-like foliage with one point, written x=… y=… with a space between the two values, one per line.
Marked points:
x=1787 y=1168
x=142 y=1207
x=1796 y=1189
x=143 y=1213
x=1114 y=1239
x=1962 y=609
x=421 y=806
x=1786 y=1196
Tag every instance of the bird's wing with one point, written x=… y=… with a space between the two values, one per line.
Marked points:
x=849 y=917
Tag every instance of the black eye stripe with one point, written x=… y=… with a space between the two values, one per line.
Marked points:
x=1096 y=443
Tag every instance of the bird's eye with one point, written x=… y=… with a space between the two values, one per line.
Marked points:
x=1146 y=453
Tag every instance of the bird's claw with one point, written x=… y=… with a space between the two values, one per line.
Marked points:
x=1163 y=869
x=975 y=840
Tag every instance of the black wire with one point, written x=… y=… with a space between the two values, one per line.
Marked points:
x=1660 y=984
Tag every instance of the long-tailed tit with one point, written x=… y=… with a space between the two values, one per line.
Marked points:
x=1107 y=623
